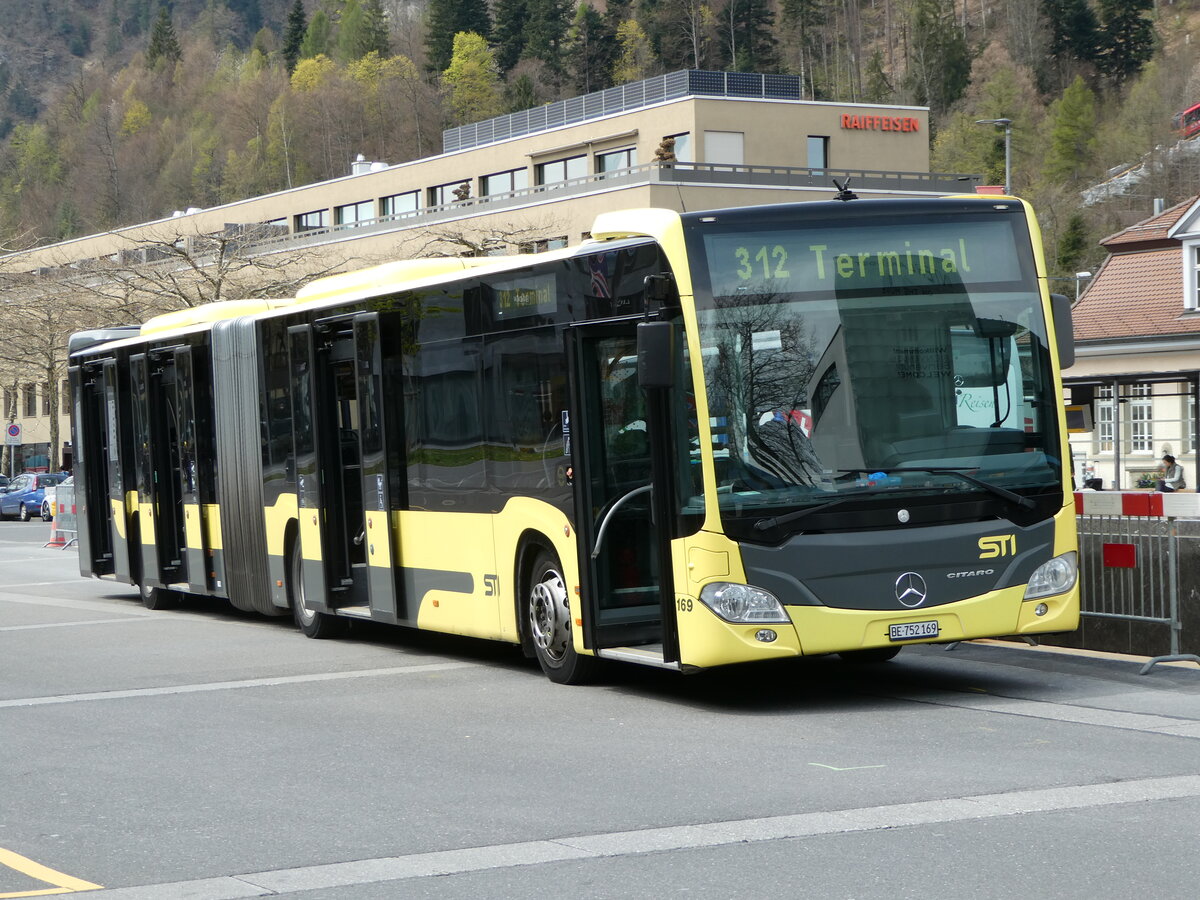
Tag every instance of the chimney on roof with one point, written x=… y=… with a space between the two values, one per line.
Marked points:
x=1159 y=205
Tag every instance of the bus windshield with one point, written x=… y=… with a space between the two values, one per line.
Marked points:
x=886 y=358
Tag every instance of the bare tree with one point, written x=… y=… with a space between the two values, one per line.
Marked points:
x=482 y=239
x=172 y=270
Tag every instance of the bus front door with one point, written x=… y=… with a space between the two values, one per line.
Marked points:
x=380 y=468
x=623 y=559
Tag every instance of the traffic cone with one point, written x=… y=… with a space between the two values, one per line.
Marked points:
x=57 y=539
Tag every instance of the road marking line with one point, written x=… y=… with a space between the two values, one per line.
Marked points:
x=844 y=768
x=233 y=685
x=63 y=884
x=1058 y=712
x=673 y=838
x=122 y=621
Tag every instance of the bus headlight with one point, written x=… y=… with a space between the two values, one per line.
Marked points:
x=1054 y=577
x=742 y=603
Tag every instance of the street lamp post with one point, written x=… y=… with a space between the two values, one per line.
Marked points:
x=1007 y=123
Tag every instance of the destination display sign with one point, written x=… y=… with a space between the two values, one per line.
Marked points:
x=902 y=255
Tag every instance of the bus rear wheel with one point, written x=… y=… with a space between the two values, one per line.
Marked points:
x=158 y=598
x=548 y=610
x=311 y=623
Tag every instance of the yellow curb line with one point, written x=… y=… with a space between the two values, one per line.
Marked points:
x=63 y=884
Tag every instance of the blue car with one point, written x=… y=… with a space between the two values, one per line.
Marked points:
x=22 y=497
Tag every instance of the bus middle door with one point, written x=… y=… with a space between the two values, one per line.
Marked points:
x=624 y=558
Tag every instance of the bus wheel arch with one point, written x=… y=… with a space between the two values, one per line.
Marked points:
x=546 y=618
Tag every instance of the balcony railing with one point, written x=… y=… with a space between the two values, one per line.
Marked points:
x=689 y=173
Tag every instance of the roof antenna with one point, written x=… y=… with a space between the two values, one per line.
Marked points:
x=844 y=192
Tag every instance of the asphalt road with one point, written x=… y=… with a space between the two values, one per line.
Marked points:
x=205 y=753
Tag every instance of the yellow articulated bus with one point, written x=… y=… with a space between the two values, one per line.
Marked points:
x=693 y=440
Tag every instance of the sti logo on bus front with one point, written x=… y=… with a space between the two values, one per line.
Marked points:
x=997 y=545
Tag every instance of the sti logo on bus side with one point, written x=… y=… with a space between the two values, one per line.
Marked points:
x=997 y=545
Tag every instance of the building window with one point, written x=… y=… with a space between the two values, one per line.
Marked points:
x=724 y=148
x=355 y=213
x=64 y=397
x=29 y=400
x=451 y=192
x=505 y=182
x=818 y=152
x=311 y=221
x=1141 y=418
x=613 y=160
x=10 y=402
x=682 y=147
x=560 y=170
x=399 y=204
x=1192 y=277
x=45 y=398
x=1104 y=418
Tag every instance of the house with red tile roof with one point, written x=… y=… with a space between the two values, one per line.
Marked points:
x=1137 y=345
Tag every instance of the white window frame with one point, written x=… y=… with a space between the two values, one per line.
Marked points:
x=1140 y=403
x=1191 y=274
x=1104 y=407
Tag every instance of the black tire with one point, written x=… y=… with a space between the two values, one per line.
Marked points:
x=23 y=513
x=871 y=655
x=158 y=598
x=46 y=517
x=313 y=624
x=547 y=609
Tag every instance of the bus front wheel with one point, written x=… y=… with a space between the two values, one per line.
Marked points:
x=870 y=655
x=311 y=623
x=548 y=610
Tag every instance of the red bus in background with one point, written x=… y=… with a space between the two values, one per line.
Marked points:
x=1187 y=123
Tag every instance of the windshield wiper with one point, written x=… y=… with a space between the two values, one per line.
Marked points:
x=765 y=524
x=1012 y=497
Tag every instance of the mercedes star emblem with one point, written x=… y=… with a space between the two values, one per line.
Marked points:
x=910 y=589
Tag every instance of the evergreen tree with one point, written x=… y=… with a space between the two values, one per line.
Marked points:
x=1072 y=141
x=508 y=32
x=592 y=50
x=940 y=61
x=1073 y=30
x=164 y=45
x=297 y=25
x=362 y=30
x=250 y=12
x=546 y=32
x=1072 y=244
x=472 y=79
x=317 y=37
x=1128 y=38
x=748 y=29
x=447 y=18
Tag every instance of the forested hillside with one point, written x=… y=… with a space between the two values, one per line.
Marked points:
x=119 y=111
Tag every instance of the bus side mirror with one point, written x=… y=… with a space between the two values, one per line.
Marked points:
x=656 y=354
x=1064 y=336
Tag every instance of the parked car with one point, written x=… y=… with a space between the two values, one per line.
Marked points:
x=50 y=498
x=23 y=496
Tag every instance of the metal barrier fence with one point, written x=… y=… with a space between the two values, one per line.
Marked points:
x=1131 y=569
x=64 y=527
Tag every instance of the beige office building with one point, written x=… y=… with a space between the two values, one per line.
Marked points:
x=686 y=141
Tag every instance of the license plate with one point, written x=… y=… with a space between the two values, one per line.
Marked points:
x=911 y=631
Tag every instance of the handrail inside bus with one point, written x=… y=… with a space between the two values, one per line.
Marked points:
x=645 y=488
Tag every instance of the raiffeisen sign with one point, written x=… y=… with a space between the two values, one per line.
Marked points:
x=880 y=123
